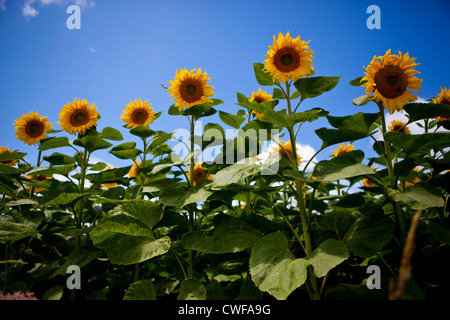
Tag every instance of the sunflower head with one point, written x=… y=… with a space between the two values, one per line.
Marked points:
x=342 y=149
x=400 y=126
x=288 y=58
x=390 y=78
x=32 y=128
x=133 y=173
x=190 y=88
x=443 y=98
x=10 y=162
x=37 y=179
x=138 y=113
x=259 y=96
x=77 y=117
x=285 y=150
x=200 y=173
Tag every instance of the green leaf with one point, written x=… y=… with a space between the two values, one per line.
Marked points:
x=192 y=289
x=283 y=119
x=311 y=87
x=362 y=100
x=341 y=168
x=357 y=82
x=421 y=196
x=57 y=158
x=65 y=198
x=80 y=256
x=140 y=290
x=263 y=78
x=54 y=293
x=54 y=142
x=330 y=137
x=232 y=120
x=109 y=176
x=360 y=122
x=370 y=233
x=179 y=199
x=110 y=133
x=8 y=156
x=142 y=132
x=92 y=143
x=126 y=233
x=230 y=235
x=441 y=234
x=419 y=111
x=337 y=221
x=419 y=144
x=274 y=268
x=327 y=255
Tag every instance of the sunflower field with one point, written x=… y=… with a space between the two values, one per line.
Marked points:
x=241 y=225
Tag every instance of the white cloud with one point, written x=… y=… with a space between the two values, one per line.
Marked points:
x=2 y=5
x=92 y=50
x=305 y=151
x=29 y=7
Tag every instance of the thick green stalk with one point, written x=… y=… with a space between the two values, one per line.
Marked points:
x=392 y=178
x=301 y=202
x=191 y=206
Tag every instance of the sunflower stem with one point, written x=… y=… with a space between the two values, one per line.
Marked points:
x=191 y=206
x=393 y=180
x=301 y=202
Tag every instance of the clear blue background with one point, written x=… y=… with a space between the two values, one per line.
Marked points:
x=126 y=49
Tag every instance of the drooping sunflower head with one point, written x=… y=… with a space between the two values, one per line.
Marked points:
x=443 y=98
x=133 y=173
x=77 y=117
x=200 y=173
x=342 y=149
x=285 y=150
x=138 y=113
x=390 y=78
x=260 y=96
x=9 y=162
x=400 y=126
x=190 y=88
x=288 y=58
x=32 y=128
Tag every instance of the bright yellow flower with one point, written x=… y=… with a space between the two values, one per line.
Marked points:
x=288 y=58
x=190 y=88
x=285 y=150
x=389 y=77
x=138 y=113
x=32 y=128
x=199 y=173
x=133 y=173
x=10 y=162
x=260 y=96
x=366 y=182
x=37 y=179
x=77 y=117
x=400 y=126
x=342 y=149
x=443 y=98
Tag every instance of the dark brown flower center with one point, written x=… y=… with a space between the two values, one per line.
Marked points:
x=140 y=116
x=286 y=59
x=191 y=90
x=391 y=81
x=34 y=129
x=79 y=118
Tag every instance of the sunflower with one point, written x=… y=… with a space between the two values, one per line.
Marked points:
x=389 y=77
x=409 y=183
x=77 y=117
x=199 y=173
x=260 y=97
x=342 y=149
x=133 y=173
x=37 y=179
x=400 y=126
x=288 y=59
x=32 y=128
x=367 y=183
x=190 y=88
x=138 y=113
x=443 y=98
x=285 y=150
x=10 y=162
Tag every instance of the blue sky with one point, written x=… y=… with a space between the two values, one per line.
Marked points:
x=125 y=49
